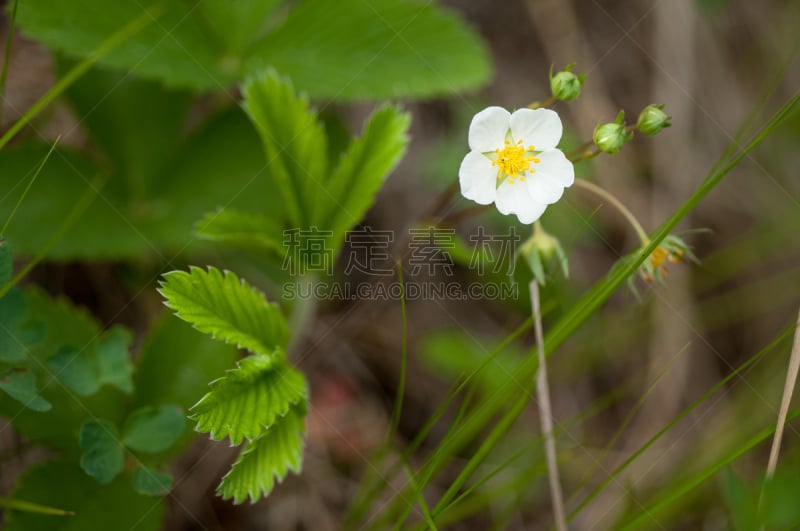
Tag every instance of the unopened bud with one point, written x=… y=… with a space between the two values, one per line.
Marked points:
x=543 y=254
x=610 y=137
x=653 y=119
x=565 y=85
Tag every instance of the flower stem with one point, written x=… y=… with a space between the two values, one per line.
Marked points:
x=541 y=104
x=616 y=203
x=546 y=413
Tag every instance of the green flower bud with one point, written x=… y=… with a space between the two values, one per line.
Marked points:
x=653 y=119
x=543 y=254
x=565 y=85
x=610 y=137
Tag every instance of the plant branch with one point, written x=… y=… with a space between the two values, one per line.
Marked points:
x=616 y=203
x=546 y=413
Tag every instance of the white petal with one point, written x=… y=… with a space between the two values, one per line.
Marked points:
x=488 y=129
x=515 y=199
x=478 y=178
x=543 y=188
x=555 y=165
x=540 y=128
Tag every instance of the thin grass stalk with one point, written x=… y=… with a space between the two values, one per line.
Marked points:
x=788 y=390
x=7 y=56
x=546 y=413
x=75 y=73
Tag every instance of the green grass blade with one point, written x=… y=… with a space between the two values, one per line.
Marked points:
x=76 y=212
x=784 y=335
x=29 y=507
x=593 y=299
x=134 y=26
x=27 y=188
x=703 y=476
x=401 y=384
x=374 y=485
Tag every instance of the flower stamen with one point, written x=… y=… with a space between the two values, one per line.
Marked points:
x=512 y=161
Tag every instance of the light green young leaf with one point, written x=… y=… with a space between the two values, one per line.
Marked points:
x=266 y=460
x=151 y=482
x=363 y=169
x=241 y=228
x=113 y=362
x=153 y=429
x=76 y=369
x=294 y=141
x=344 y=50
x=103 y=455
x=225 y=307
x=6 y=263
x=296 y=146
x=249 y=399
x=21 y=386
x=95 y=507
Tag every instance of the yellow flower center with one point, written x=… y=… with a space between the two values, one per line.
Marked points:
x=513 y=161
x=658 y=257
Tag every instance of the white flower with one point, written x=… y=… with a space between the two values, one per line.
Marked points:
x=514 y=162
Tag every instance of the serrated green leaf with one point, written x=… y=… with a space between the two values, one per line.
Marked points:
x=150 y=482
x=225 y=307
x=249 y=399
x=137 y=123
x=296 y=146
x=21 y=386
x=363 y=169
x=175 y=48
x=240 y=228
x=60 y=323
x=59 y=186
x=153 y=429
x=76 y=369
x=103 y=455
x=294 y=141
x=15 y=336
x=344 y=50
x=266 y=460
x=95 y=507
x=402 y=48
x=221 y=164
x=238 y=24
x=113 y=361
x=174 y=367
x=6 y=263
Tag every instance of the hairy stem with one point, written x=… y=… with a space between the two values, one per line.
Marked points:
x=546 y=413
x=616 y=203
